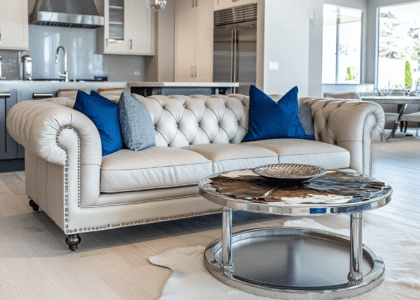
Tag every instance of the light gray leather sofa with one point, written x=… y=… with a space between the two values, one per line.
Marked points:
x=81 y=191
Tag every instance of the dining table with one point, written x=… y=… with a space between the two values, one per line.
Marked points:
x=401 y=101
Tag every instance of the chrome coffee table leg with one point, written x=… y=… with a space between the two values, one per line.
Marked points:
x=356 y=248
x=227 y=265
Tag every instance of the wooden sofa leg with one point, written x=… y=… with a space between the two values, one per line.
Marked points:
x=72 y=241
x=34 y=206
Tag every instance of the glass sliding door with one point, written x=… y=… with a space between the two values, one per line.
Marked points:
x=342 y=45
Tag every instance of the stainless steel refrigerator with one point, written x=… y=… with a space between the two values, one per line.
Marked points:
x=235 y=46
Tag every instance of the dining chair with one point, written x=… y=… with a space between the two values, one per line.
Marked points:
x=413 y=117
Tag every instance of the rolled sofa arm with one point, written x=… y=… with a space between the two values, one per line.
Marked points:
x=350 y=124
x=58 y=134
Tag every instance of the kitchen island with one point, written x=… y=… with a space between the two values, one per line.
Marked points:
x=182 y=88
x=15 y=91
x=27 y=89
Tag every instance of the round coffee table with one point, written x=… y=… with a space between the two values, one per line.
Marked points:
x=295 y=263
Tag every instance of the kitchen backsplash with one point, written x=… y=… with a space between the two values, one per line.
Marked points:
x=83 y=61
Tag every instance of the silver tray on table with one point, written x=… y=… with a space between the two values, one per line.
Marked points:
x=289 y=172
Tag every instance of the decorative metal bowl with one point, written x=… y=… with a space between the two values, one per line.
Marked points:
x=289 y=172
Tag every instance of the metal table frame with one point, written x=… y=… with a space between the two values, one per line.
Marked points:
x=355 y=275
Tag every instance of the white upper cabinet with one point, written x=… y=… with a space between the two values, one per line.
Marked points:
x=194 y=40
x=14 y=25
x=128 y=28
x=223 y=4
x=140 y=29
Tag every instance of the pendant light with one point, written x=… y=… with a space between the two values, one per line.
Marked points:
x=156 y=4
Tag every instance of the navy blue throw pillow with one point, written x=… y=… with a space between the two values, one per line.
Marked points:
x=104 y=114
x=271 y=120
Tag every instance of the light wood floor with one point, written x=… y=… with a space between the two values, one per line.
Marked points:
x=35 y=263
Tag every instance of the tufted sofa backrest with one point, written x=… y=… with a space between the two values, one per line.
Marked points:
x=189 y=120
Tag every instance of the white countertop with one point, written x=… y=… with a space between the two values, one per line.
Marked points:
x=184 y=84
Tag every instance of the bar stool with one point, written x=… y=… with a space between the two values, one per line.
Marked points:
x=69 y=93
x=111 y=93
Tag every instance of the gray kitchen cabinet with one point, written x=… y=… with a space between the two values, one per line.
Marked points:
x=8 y=146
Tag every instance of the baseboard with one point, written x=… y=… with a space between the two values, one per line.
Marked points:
x=12 y=165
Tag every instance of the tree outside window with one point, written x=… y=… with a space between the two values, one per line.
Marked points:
x=399 y=45
x=342 y=45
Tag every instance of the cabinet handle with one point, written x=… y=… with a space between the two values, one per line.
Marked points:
x=193 y=3
x=195 y=71
x=131 y=44
x=192 y=72
x=196 y=2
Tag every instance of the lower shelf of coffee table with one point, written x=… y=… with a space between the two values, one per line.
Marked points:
x=294 y=263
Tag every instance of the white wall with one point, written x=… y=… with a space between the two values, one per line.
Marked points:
x=371 y=34
x=291 y=40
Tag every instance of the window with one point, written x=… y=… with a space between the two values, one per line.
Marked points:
x=342 y=45
x=399 y=46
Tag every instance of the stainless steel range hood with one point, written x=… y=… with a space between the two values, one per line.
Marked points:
x=67 y=13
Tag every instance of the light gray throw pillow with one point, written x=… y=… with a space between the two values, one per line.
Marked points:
x=305 y=118
x=136 y=124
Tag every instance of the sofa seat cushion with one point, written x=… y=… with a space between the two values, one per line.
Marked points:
x=308 y=152
x=152 y=168
x=226 y=157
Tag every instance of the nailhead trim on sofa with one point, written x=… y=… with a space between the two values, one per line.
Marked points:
x=88 y=229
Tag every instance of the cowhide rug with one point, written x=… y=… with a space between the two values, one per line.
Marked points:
x=400 y=251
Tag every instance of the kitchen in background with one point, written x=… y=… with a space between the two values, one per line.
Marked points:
x=131 y=44
x=85 y=56
x=83 y=60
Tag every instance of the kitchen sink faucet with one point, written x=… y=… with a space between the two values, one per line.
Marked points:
x=66 y=73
